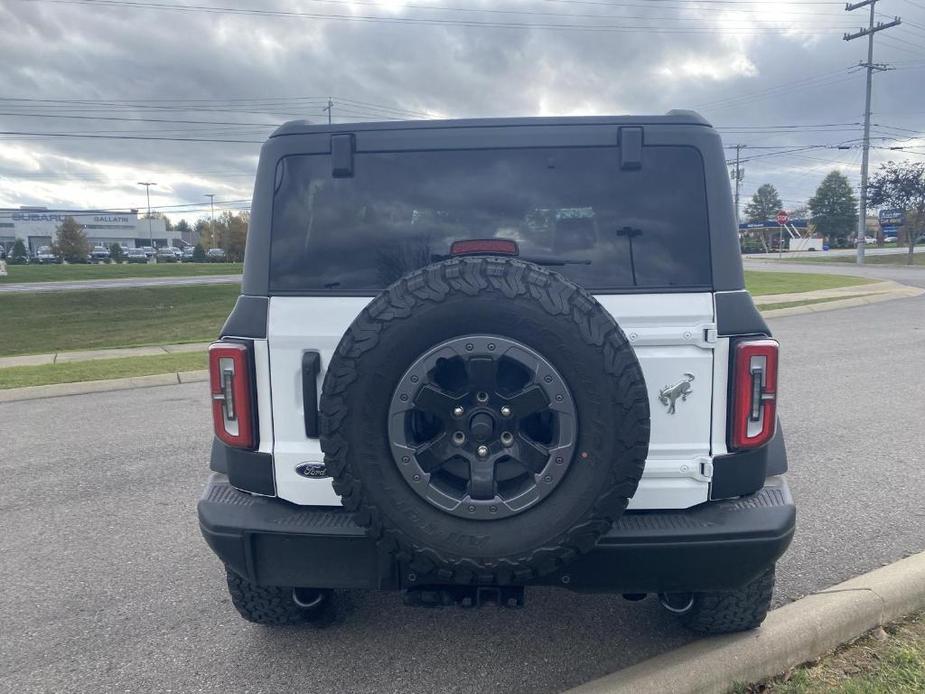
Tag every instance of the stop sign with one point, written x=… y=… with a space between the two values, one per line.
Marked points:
x=782 y=217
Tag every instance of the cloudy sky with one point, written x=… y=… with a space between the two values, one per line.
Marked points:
x=96 y=95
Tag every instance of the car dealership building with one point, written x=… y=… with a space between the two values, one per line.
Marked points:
x=37 y=227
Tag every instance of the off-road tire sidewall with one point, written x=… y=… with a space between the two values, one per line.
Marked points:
x=512 y=299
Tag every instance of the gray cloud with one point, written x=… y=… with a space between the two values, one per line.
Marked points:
x=754 y=74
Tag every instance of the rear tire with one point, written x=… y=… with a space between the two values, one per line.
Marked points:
x=730 y=611
x=277 y=605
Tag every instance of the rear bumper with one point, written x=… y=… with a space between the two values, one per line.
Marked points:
x=715 y=546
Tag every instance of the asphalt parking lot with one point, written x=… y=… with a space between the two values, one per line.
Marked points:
x=107 y=585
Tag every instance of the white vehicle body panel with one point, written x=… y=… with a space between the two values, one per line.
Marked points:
x=674 y=336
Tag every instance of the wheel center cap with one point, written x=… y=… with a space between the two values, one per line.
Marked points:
x=481 y=426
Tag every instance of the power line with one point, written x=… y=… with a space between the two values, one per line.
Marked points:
x=21 y=133
x=594 y=28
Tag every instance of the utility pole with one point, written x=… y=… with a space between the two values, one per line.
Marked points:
x=737 y=176
x=211 y=197
x=869 y=33
x=147 y=185
x=329 y=108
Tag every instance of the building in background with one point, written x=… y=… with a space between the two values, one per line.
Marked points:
x=37 y=227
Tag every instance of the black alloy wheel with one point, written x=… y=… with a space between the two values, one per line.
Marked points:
x=482 y=427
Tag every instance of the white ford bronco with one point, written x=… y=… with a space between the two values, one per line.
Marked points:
x=473 y=356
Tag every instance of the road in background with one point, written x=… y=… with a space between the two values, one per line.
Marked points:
x=822 y=255
x=107 y=584
x=119 y=283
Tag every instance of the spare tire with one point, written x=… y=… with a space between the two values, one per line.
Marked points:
x=486 y=419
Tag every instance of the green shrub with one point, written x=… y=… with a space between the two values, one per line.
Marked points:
x=18 y=254
x=199 y=254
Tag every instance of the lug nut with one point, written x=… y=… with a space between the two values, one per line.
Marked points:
x=458 y=411
x=505 y=411
x=507 y=438
x=459 y=438
x=482 y=451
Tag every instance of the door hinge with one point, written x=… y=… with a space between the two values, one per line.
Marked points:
x=709 y=335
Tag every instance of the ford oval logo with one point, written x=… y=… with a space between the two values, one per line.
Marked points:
x=312 y=470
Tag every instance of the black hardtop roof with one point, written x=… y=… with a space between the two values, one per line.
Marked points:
x=675 y=117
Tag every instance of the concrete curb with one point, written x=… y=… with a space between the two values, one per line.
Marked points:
x=57 y=390
x=904 y=292
x=791 y=635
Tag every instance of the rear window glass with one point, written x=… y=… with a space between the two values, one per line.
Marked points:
x=572 y=209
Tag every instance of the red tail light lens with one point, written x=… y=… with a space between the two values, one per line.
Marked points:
x=230 y=377
x=754 y=405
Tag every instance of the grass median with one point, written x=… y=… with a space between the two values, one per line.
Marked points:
x=71 y=273
x=46 y=322
x=100 y=369
x=761 y=283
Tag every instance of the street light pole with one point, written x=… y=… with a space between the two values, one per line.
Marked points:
x=211 y=197
x=147 y=185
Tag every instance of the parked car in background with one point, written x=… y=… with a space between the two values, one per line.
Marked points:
x=44 y=256
x=187 y=255
x=890 y=239
x=100 y=254
x=136 y=255
x=166 y=255
x=149 y=251
x=215 y=255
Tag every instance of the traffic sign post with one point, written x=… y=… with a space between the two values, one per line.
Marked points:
x=782 y=219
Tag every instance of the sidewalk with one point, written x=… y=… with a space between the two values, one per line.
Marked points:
x=64 y=357
x=838 y=293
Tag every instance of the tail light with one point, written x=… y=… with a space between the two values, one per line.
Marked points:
x=232 y=410
x=754 y=404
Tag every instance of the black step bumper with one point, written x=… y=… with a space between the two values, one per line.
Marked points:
x=717 y=545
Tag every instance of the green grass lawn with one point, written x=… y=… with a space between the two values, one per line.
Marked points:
x=894 y=663
x=70 y=273
x=99 y=318
x=100 y=369
x=765 y=283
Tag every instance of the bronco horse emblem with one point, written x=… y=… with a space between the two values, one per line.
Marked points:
x=669 y=395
